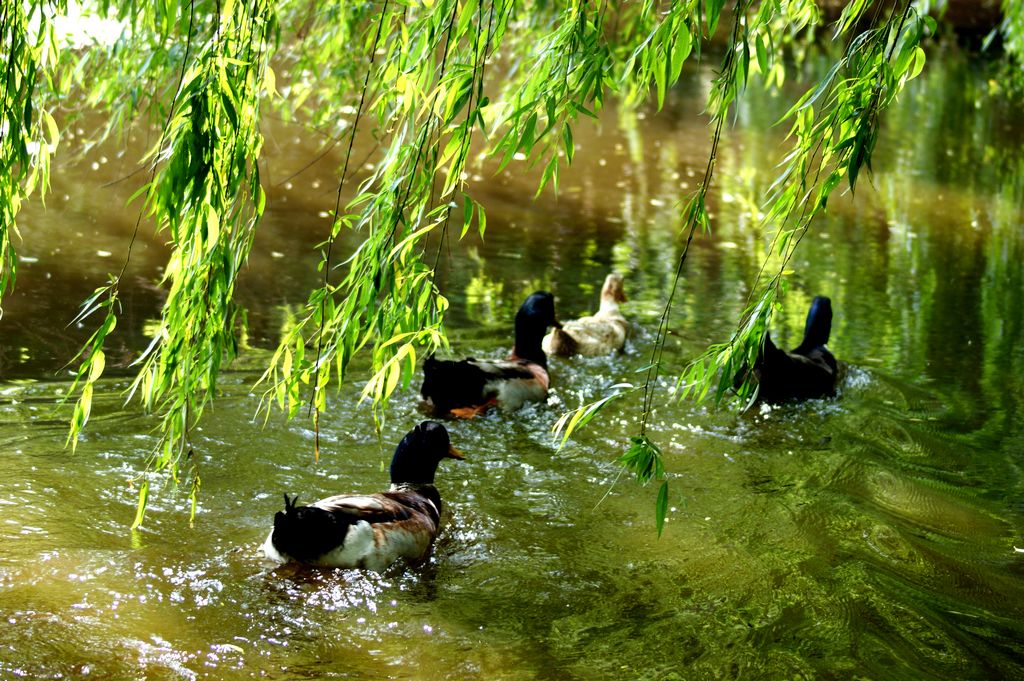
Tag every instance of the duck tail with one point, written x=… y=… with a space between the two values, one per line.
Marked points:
x=562 y=343
x=307 y=532
x=819 y=325
x=433 y=376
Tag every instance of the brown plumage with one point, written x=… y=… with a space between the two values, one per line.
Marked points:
x=597 y=334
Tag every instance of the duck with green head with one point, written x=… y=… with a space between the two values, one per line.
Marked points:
x=468 y=387
x=370 y=531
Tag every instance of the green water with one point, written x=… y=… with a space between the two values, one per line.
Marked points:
x=872 y=536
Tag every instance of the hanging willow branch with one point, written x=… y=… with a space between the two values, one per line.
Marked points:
x=107 y=297
x=28 y=133
x=206 y=194
x=1011 y=30
x=388 y=299
x=832 y=143
x=414 y=76
x=314 y=403
x=829 y=148
x=659 y=59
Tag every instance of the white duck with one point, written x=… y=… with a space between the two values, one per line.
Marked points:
x=598 y=334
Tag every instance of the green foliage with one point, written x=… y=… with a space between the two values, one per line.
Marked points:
x=95 y=361
x=834 y=128
x=643 y=459
x=421 y=80
x=1012 y=29
x=1011 y=33
x=570 y=421
x=28 y=133
x=205 y=192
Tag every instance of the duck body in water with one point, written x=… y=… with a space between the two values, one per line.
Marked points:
x=807 y=372
x=598 y=334
x=468 y=387
x=370 y=531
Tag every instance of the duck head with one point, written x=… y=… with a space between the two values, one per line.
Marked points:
x=613 y=292
x=420 y=451
x=535 y=315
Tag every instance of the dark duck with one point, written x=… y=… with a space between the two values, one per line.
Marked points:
x=807 y=372
x=371 y=531
x=468 y=387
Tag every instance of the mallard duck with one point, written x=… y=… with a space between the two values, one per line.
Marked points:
x=468 y=387
x=597 y=334
x=370 y=531
x=807 y=372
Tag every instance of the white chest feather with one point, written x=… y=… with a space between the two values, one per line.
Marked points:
x=270 y=551
x=513 y=393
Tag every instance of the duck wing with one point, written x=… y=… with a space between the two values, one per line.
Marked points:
x=373 y=508
x=823 y=358
x=385 y=507
x=594 y=335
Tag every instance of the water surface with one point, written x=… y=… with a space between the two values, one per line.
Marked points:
x=873 y=535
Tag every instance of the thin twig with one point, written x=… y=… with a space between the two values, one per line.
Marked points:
x=335 y=229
